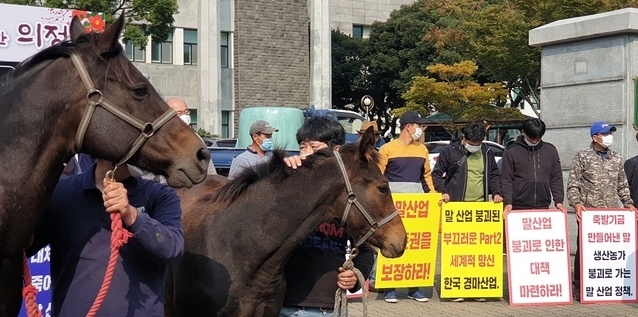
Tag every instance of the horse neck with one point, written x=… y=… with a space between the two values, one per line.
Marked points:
x=38 y=129
x=274 y=226
x=42 y=113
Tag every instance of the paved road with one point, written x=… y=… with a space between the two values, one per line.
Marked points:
x=377 y=307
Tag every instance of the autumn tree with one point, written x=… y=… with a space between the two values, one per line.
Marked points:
x=451 y=89
x=149 y=17
x=395 y=52
x=494 y=34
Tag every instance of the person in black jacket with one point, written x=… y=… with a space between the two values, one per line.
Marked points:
x=631 y=169
x=466 y=169
x=531 y=173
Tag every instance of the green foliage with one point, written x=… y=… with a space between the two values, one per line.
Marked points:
x=453 y=91
x=204 y=134
x=494 y=34
x=150 y=17
x=347 y=67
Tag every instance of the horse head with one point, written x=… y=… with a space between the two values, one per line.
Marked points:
x=121 y=117
x=370 y=214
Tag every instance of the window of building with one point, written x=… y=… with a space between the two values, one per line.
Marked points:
x=225 y=58
x=163 y=52
x=225 y=124
x=134 y=53
x=360 y=31
x=190 y=47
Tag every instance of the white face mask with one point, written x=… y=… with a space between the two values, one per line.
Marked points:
x=186 y=118
x=607 y=140
x=530 y=143
x=136 y=171
x=417 y=133
x=472 y=148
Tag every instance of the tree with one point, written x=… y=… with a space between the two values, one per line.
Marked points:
x=347 y=67
x=453 y=91
x=149 y=17
x=494 y=33
x=397 y=51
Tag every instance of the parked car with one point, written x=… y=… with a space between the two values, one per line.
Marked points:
x=435 y=148
x=214 y=142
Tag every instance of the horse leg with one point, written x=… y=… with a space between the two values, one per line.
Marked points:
x=169 y=292
x=10 y=286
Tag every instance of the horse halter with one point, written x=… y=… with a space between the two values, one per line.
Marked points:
x=147 y=128
x=352 y=200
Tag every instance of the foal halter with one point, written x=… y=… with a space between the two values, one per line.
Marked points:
x=352 y=200
x=147 y=129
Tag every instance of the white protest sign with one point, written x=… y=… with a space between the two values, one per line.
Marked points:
x=608 y=256
x=538 y=258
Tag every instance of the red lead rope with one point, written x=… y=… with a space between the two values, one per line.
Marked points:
x=119 y=237
x=28 y=290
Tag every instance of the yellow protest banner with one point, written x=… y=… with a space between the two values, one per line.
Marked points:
x=420 y=214
x=472 y=250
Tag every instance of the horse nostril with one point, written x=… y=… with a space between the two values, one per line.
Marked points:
x=203 y=155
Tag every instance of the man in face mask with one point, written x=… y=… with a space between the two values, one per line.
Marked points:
x=469 y=167
x=405 y=163
x=470 y=171
x=258 y=152
x=597 y=179
x=531 y=173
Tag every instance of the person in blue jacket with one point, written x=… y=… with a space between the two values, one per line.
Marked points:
x=77 y=226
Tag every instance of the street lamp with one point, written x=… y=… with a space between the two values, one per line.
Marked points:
x=367 y=103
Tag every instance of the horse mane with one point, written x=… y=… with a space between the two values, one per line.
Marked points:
x=274 y=170
x=62 y=50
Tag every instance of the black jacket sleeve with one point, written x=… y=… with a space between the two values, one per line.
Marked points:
x=556 y=180
x=364 y=262
x=495 y=176
x=440 y=168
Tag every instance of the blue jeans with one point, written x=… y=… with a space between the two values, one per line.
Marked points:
x=296 y=311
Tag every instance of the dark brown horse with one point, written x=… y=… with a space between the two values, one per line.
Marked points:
x=82 y=95
x=240 y=233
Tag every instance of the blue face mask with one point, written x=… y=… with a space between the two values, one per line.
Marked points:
x=266 y=144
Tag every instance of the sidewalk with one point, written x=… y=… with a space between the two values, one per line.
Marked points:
x=436 y=306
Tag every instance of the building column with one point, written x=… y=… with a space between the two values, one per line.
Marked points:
x=209 y=68
x=320 y=54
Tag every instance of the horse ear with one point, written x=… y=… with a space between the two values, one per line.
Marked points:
x=77 y=29
x=366 y=145
x=109 y=39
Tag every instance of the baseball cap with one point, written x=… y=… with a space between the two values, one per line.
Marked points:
x=261 y=126
x=411 y=117
x=600 y=127
x=366 y=124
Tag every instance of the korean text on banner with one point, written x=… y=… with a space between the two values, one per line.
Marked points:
x=538 y=257
x=608 y=256
x=420 y=214
x=472 y=250
x=26 y=30
x=39 y=264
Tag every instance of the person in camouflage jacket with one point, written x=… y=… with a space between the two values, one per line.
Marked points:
x=597 y=180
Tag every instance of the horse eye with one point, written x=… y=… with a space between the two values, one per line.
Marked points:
x=140 y=91
x=383 y=189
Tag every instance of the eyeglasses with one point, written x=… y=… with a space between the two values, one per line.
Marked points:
x=605 y=134
x=183 y=112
